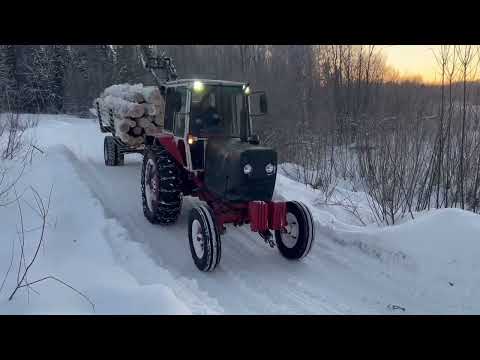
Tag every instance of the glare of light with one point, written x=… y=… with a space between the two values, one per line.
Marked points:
x=247 y=169
x=269 y=168
x=198 y=86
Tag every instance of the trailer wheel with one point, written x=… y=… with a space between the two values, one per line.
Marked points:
x=204 y=238
x=111 y=152
x=296 y=242
x=161 y=187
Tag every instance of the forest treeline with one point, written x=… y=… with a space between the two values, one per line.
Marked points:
x=336 y=111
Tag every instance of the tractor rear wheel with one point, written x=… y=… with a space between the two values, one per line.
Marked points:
x=296 y=242
x=161 y=187
x=204 y=238
x=111 y=152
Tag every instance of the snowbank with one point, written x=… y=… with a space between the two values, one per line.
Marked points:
x=77 y=250
x=434 y=258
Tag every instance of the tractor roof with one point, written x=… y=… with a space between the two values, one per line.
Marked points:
x=205 y=81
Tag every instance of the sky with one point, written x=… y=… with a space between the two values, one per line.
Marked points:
x=412 y=60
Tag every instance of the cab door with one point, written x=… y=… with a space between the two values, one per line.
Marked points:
x=180 y=114
x=176 y=111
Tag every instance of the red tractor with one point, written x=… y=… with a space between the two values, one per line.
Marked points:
x=207 y=150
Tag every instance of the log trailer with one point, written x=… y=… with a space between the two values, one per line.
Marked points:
x=206 y=149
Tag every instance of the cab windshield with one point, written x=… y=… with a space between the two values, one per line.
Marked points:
x=218 y=110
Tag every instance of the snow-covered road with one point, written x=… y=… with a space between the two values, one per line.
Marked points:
x=351 y=269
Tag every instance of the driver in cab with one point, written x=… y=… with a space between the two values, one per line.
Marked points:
x=207 y=120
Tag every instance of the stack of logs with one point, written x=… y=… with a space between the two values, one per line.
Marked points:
x=136 y=110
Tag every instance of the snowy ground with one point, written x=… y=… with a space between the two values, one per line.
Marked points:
x=98 y=241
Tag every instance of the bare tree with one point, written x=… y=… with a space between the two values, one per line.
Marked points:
x=465 y=56
x=450 y=70
x=442 y=61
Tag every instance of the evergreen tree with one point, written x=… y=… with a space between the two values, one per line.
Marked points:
x=60 y=58
x=127 y=64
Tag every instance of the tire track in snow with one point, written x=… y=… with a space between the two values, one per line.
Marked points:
x=256 y=291
x=127 y=252
x=252 y=277
x=251 y=292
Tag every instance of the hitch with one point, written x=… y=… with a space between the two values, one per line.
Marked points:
x=268 y=237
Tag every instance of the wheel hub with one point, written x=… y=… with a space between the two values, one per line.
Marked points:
x=290 y=236
x=198 y=239
x=151 y=184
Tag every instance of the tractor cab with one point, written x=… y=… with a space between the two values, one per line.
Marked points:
x=199 y=110
x=211 y=122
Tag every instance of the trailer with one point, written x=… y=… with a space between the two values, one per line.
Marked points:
x=114 y=149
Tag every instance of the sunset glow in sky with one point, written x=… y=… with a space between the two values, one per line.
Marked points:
x=412 y=60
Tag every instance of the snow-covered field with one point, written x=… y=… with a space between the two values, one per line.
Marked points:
x=98 y=241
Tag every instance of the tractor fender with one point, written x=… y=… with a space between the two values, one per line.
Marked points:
x=169 y=143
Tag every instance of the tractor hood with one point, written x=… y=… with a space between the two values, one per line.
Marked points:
x=226 y=159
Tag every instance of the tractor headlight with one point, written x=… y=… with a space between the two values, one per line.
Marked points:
x=247 y=169
x=198 y=86
x=270 y=169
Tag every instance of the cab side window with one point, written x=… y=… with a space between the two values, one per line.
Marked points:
x=169 y=109
x=180 y=114
x=175 y=110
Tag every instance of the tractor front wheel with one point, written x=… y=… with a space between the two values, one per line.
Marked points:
x=295 y=242
x=204 y=238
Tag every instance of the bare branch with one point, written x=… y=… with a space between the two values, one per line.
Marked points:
x=63 y=283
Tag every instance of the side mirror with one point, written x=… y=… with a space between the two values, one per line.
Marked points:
x=263 y=103
x=258 y=103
